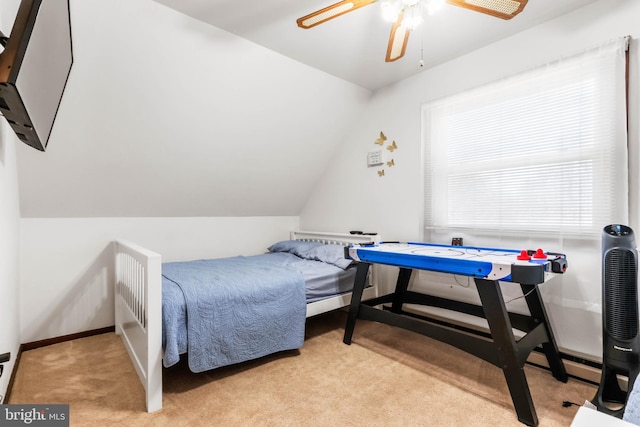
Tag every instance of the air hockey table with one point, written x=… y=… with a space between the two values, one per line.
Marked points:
x=488 y=267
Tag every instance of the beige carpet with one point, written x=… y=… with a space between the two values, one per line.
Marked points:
x=387 y=377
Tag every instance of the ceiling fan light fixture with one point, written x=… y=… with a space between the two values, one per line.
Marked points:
x=390 y=10
x=410 y=10
x=412 y=16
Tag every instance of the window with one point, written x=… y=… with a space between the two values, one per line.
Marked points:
x=544 y=151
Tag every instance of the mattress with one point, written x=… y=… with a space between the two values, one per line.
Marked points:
x=321 y=280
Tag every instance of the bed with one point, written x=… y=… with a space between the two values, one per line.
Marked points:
x=279 y=290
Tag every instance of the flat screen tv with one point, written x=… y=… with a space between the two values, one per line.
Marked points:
x=34 y=68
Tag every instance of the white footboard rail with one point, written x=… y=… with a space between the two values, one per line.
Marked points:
x=138 y=314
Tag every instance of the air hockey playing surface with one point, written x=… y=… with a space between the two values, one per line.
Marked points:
x=521 y=266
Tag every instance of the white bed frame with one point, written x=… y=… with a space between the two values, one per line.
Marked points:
x=138 y=304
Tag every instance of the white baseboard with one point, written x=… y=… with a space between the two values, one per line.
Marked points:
x=575 y=369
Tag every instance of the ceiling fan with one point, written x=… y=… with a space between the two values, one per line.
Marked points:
x=406 y=15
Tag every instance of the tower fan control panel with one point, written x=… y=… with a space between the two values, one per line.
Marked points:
x=618 y=230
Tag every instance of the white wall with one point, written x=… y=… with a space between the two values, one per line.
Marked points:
x=9 y=230
x=67 y=263
x=9 y=241
x=165 y=117
x=351 y=195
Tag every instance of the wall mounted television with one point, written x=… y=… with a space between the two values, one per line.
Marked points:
x=34 y=68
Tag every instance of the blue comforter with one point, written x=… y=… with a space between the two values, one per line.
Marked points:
x=237 y=309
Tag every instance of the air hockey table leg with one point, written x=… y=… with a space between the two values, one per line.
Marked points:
x=550 y=348
x=356 y=295
x=505 y=342
x=402 y=284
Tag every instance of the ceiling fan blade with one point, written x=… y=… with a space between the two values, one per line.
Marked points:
x=505 y=9
x=397 y=41
x=330 y=12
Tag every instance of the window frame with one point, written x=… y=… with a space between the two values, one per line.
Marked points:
x=437 y=209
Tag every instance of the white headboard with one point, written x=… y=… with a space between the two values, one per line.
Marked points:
x=334 y=238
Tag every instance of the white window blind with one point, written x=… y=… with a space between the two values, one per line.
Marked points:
x=543 y=151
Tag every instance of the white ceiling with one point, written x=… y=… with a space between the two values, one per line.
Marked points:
x=353 y=46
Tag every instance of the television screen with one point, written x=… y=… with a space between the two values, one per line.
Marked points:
x=34 y=68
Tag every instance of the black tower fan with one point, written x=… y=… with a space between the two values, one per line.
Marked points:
x=620 y=340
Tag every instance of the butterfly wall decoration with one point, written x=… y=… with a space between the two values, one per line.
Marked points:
x=391 y=148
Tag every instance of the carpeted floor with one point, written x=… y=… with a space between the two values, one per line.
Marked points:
x=387 y=377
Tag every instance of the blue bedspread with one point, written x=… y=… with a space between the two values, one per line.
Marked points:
x=237 y=309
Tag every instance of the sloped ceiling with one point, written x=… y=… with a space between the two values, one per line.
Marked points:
x=353 y=46
x=164 y=115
